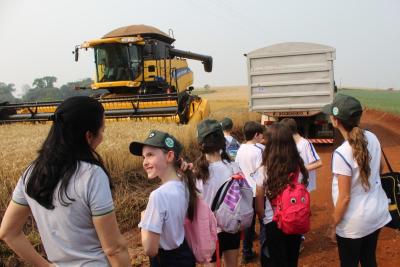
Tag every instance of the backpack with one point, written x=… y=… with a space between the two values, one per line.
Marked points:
x=292 y=208
x=391 y=185
x=201 y=233
x=233 y=204
x=232 y=148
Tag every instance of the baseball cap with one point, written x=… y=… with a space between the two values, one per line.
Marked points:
x=157 y=139
x=226 y=123
x=344 y=107
x=207 y=127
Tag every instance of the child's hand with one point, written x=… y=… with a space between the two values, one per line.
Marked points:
x=186 y=166
x=331 y=234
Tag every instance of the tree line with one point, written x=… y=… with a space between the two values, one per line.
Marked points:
x=43 y=89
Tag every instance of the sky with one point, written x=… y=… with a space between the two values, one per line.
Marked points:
x=38 y=36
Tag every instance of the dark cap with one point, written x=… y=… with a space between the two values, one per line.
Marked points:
x=157 y=139
x=226 y=123
x=207 y=127
x=344 y=107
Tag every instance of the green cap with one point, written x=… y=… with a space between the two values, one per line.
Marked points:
x=226 y=123
x=157 y=139
x=207 y=127
x=344 y=107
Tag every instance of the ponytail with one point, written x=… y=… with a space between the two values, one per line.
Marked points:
x=359 y=144
x=201 y=168
x=189 y=180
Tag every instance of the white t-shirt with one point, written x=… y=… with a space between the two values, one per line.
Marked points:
x=367 y=210
x=166 y=212
x=249 y=158
x=67 y=232
x=260 y=176
x=309 y=155
x=220 y=172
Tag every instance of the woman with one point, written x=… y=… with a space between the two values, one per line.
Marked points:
x=67 y=190
x=361 y=207
x=212 y=170
x=162 y=223
x=280 y=159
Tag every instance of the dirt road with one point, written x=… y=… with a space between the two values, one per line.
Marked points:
x=318 y=251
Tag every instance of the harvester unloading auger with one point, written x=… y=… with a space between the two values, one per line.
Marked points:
x=145 y=76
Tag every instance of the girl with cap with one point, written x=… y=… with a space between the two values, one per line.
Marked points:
x=213 y=168
x=361 y=207
x=67 y=190
x=162 y=223
x=280 y=159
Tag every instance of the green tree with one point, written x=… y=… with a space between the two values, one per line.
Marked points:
x=6 y=91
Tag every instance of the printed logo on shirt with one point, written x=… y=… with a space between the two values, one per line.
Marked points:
x=335 y=111
x=169 y=142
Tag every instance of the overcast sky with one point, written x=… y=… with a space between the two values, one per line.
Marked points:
x=37 y=36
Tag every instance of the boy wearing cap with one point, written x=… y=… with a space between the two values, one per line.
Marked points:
x=232 y=145
x=361 y=205
x=162 y=223
x=249 y=158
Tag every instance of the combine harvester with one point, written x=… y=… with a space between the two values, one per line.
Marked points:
x=146 y=79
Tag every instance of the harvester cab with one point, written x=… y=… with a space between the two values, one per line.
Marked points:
x=144 y=76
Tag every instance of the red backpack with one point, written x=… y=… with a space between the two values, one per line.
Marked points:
x=292 y=208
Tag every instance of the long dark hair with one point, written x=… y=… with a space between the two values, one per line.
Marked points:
x=214 y=142
x=190 y=181
x=63 y=149
x=359 y=145
x=280 y=159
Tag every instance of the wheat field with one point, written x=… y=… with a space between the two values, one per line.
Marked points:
x=20 y=142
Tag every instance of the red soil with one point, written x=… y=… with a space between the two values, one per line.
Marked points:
x=318 y=250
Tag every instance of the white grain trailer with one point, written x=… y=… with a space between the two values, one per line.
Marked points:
x=293 y=80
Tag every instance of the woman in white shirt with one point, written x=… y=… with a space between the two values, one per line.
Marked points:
x=162 y=223
x=67 y=189
x=361 y=207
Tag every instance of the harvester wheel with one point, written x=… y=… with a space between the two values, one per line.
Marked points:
x=183 y=107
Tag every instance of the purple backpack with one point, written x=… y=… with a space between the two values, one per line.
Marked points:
x=233 y=205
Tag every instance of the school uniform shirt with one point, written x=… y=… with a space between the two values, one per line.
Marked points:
x=260 y=176
x=67 y=232
x=166 y=212
x=309 y=155
x=249 y=158
x=220 y=172
x=367 y=210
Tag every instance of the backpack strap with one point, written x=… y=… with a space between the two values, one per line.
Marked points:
x=386 y=160
x=219 y=196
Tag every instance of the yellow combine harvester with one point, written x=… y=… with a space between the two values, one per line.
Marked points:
x=146 y=78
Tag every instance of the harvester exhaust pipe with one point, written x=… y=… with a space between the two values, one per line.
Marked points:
x=206 y=60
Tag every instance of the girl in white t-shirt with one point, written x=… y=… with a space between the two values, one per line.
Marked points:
x=67 y=190
x=162 y=223
x=280 y=160
x=361 y=207
x=212 y=170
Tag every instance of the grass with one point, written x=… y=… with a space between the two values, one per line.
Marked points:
x=384 y=100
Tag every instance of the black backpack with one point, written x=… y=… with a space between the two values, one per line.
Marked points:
x=391 y=185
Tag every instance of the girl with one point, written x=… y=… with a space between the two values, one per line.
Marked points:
x=162 y=223
x=280 y=159
x=67 y=190
x=213 y=169
x=361 y=207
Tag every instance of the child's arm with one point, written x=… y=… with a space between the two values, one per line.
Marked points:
x=150 y=242
x=260 y=199
x=11 y=232
x=315 y=165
